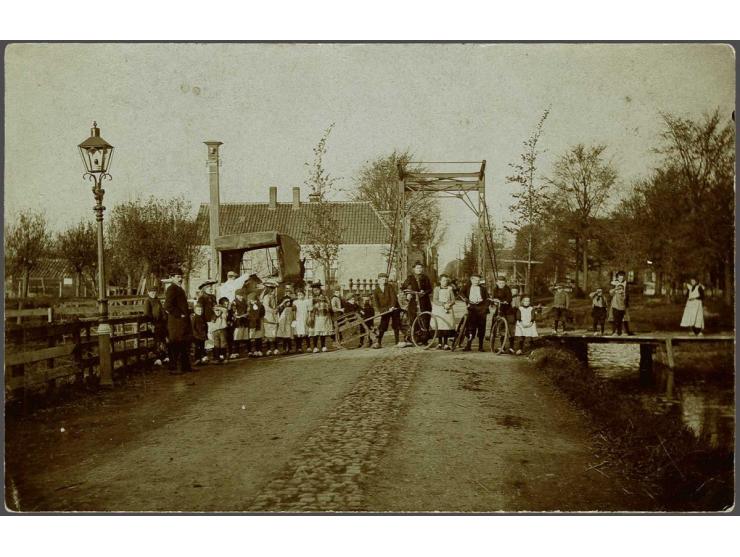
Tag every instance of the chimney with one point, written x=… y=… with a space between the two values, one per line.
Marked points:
x=273 y=198
x=314 y=197
x=296 y=198
x=214 y=208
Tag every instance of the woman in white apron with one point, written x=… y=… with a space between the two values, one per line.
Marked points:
x=443 y=302
x=693 y=313
x=302 y=310
x=526 y=325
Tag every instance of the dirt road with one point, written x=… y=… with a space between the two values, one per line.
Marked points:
x=362 y=430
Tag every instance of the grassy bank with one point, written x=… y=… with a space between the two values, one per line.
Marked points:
x=654 y=314
x=679 y=471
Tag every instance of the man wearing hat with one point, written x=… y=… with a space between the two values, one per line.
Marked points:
x=418 y=282
x=178 y=324
x=385 y=302
x=233 y=283
x=477 y=297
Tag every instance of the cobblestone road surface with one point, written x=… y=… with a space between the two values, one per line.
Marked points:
x=363 y=430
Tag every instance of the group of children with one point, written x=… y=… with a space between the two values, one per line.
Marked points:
x=270 y=322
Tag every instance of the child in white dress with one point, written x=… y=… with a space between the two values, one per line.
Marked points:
x=526 y=325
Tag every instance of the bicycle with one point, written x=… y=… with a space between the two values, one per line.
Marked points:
x=426 y=325
x=499 y=334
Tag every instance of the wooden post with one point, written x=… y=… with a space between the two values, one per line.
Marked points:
x=50 y=314
x=669 y=353
x=646 y=363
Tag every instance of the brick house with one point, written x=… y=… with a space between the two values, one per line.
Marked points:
x=365 y=238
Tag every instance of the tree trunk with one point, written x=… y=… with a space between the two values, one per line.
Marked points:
x=529 y=261
x=24 y=284
x=78 y=280
x=577 y=265
x=585 y=265
x=129 y=284
x=728 y=290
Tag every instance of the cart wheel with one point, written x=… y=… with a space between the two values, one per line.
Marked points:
x=499 y=335
x=424 y=329
x=352 y=334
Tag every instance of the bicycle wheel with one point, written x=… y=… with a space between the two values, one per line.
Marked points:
x=460 y=332
x=499 y=335
x=424 y=329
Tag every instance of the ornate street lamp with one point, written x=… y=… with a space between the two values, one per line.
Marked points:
x=96 y=155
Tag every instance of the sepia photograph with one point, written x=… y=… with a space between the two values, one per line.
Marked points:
x=369 y=277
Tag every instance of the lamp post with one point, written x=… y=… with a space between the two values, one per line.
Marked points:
x=96 y=154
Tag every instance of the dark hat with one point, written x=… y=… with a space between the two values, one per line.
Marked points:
x=206 y=283
x=316 y=284
x=176 y=271
x=382 y=275
x=475 y=274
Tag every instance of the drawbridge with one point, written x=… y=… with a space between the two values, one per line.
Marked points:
x=465 y=181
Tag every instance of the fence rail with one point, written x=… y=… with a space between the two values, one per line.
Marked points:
x=40 y=355
x=117 y=307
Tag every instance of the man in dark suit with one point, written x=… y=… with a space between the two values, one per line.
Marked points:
x=418 y=282
x=476 y=296
x=178 y=324
x=385 y=301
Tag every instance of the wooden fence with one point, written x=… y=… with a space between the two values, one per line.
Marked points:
x=117 y=307
x=41 y=356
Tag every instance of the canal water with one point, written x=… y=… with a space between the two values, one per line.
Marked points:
x=701 y=396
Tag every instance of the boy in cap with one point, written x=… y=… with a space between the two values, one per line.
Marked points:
x=560 y=305
x=218 y=329
x=200 y=334
x=477 y=297
x=418 y=282
x=367 y=312
x=385 y=302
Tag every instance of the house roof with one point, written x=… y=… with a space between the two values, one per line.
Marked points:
x=52 y=268
x=359 y=221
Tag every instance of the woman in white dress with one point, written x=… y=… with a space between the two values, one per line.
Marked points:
x=693 y=313
x=526 y=325
x=443 y=302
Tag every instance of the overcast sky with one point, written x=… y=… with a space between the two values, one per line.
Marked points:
x=269 y=104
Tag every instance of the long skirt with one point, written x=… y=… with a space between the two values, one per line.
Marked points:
x=693 y=314
x=446 y=321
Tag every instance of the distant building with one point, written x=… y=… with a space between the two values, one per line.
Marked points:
x=52 y=277
x=363 y=249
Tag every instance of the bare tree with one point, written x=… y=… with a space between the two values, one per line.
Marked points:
x=530 y=201
x=27 y=241
x=77 y=245
x=323 y=230
x=582 y=181
x=377 y=183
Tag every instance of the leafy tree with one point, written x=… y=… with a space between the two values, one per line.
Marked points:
x=324 y=233
x=77 y=245
x=377 y=182
x=149 y=237
x=582 y=182
x=530 y=201
x=27 y=241
x=702 y=156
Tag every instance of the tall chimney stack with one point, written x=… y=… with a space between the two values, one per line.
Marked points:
x=296 y=198
x=214 y=208
x=273 y=198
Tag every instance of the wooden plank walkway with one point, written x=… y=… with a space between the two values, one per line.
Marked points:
x=578 y=343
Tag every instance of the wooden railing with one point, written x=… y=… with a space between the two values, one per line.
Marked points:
x=117 y=307
x=39 y=356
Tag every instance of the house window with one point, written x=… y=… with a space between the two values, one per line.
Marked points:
x=333 y=270
x=309 y=269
